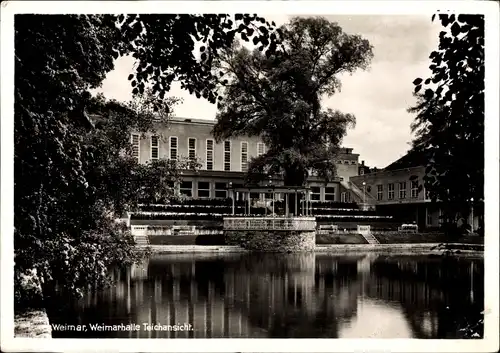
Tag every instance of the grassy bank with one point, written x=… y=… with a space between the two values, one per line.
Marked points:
x=409 y=238
x=340 y=239
x=172 y=240
x=383 y=238
x=320 y=239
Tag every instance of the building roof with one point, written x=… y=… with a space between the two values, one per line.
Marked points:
x=193 y=121
x=413 y=158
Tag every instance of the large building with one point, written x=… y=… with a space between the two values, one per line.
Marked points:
x=396 y=190
x=227 y=162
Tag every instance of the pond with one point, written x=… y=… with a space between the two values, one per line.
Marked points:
x=280 y=296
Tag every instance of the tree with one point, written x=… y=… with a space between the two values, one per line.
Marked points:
x=449 y=122
x=63 y=195
x=278 y=98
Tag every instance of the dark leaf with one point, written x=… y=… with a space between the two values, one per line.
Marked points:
x=417 y=81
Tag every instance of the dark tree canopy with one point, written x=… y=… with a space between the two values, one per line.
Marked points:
x=66 y=184
x=278 y=97
x=449 y=123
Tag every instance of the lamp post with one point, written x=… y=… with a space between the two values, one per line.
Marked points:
x=232 y=195
x=472 y=213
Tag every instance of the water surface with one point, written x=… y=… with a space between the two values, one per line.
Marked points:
x=280 y=296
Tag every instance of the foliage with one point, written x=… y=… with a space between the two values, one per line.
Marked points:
x=449 y=123
x=278 y=98
x=69 y=182
x=163 y=46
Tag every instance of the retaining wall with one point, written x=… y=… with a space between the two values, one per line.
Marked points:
x=272 y=241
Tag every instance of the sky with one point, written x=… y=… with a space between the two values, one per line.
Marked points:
x=378 y=97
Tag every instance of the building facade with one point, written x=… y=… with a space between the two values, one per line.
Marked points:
x=227 y=162
x=397 y=190
x=400 y=193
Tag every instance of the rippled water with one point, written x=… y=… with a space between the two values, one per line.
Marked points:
x=278 y=296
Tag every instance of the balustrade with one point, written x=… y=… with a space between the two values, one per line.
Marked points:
x=253 y=223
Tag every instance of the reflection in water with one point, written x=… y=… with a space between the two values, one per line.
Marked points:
x=294 y=295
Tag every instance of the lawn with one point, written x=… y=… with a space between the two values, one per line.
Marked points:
x=172 y=240
x=340 y=239
x=406 y=238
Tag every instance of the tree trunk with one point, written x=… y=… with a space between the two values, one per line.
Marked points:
x=294 y=176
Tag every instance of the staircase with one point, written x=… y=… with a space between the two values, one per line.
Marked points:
x=140 y=234
x=141 y=240
x=370 y=238
x=362 y=196
x=367 y=234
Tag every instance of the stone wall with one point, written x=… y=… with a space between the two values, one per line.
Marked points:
x=272 y=240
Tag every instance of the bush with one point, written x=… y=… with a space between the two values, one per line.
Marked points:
x=27 y=290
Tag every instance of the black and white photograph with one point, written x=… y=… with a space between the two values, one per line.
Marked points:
x=279 y=176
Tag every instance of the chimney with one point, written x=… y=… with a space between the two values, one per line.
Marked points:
x=363 y=163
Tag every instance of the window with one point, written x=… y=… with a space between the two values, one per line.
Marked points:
x=380 y=192
x=353 y=162
x=192 y=148
x=339 y=162
x=210 y=154
x=346 y=162
x=402 y=190
x=187 y=188
x=155 y=147
x=390 y=191
x=345 y=197
x=315 y=193
x=244 y=156
x=227 y=155
x=330 y=194
x=414 y=189
x=362 y=171
x=203 y=189
x=261 y=149
x=173 y=148
x=135 y=146
x=221 y=190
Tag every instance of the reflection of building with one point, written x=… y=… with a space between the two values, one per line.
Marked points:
x=227 y=161
x=314 y=295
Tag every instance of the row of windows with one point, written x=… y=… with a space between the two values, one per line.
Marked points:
x=186 y=188
x=401 y=190
x=329 y=194
x=220 y=190
x=346 y=162
x=209 y=158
